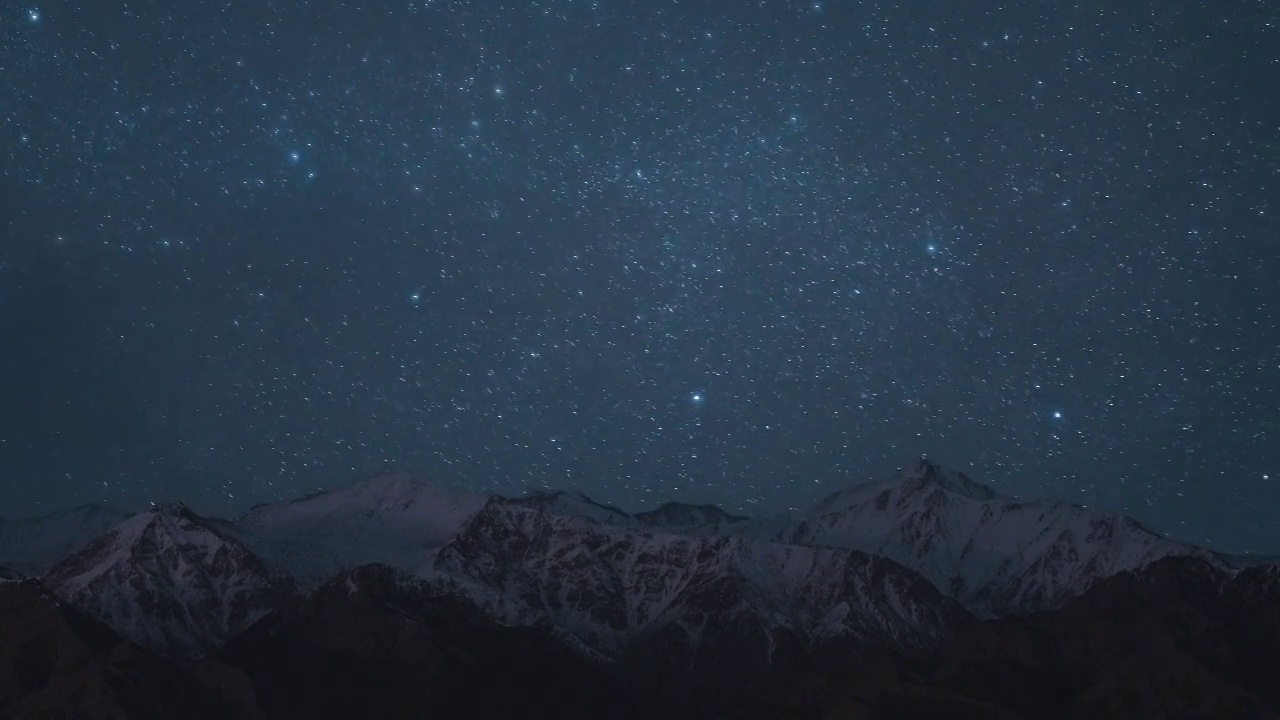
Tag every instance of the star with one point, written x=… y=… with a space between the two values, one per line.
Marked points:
x=854 y=286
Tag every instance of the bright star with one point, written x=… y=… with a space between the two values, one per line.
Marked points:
x=1057 y=414
x=696 y=397
x=295 y=156
x=33 y=15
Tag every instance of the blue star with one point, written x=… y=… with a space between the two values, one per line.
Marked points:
x=33 y=15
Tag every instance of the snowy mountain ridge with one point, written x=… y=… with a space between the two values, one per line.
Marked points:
x=604 y=586
x=849 y=568
x=997 y=556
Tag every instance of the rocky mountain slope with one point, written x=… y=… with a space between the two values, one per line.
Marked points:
x=603 y=586
x=170 y=581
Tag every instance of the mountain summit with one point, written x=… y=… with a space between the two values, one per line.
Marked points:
x=930 y=473
x=394 y=518
x=995 y=555
x=170 y=581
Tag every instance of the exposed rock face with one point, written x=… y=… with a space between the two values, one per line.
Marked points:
x=603 y=586
x=168 y=580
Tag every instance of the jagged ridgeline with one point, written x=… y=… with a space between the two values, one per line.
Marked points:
x=921 y=595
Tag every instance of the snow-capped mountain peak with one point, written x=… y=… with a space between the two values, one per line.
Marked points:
x=995 y=555
x=920 y=478
x=167 y=579
x=930 y=474
x=394 y=518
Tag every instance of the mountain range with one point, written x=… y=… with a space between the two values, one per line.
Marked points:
x=925 y=594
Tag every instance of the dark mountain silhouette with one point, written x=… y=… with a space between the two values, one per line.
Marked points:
x=56 y=662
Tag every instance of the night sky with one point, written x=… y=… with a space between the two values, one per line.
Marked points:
x=718 y=251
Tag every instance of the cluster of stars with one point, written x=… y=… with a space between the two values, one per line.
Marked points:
x=739 y=255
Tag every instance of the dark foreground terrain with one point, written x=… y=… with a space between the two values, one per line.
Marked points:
x=1177 y=640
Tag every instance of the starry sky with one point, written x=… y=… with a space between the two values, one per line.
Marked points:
x=720 y=251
